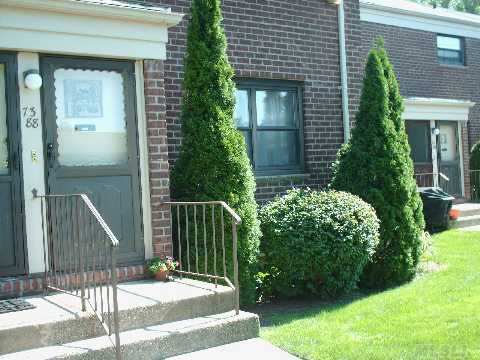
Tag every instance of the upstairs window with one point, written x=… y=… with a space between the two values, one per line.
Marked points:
x=268 y=115
x=451 y=50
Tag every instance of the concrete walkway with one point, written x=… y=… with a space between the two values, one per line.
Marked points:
x=469 y=219
x=242 y=350
x=470 y=228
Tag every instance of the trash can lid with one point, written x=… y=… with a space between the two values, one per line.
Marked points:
x=435 y=193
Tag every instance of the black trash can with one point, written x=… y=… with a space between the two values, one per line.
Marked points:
x=436 y=206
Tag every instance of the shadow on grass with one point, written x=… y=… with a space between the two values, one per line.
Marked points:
x=280 y=312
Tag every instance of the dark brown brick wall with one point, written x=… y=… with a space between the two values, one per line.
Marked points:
x=288 y=40
x=414 y=57
x=155 y=110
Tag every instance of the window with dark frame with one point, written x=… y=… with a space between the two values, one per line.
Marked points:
x=451 y=50
x=420 y=141
x=269 y=115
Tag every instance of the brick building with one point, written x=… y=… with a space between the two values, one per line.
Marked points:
x=90 y=103
x=95 y=108
x=281 y=46
x=436 y=56
x=106 y=119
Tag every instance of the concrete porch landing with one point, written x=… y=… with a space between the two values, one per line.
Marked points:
x=138 y=295
x=150 y=313
x=469 y=219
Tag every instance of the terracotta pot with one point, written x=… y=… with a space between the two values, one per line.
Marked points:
x=454 y=214
x=161 y=275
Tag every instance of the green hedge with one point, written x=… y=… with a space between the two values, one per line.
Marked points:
x=315 y=243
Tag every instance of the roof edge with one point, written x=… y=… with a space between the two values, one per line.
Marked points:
x=439 y=102
x=99 y=9
x=367 y=5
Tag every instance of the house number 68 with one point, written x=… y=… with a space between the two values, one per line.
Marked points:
x=30 y=116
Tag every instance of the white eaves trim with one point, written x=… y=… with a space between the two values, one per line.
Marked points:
x=89 y=28
x=99 y=8
x=436 y=109
x=387 y=15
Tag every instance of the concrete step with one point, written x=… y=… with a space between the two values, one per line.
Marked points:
x=155 y=342
x=465 y=221
x=467 y=209
x=58 y=319
x=247 y=349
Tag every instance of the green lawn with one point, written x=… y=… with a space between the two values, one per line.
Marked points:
x=437 y=316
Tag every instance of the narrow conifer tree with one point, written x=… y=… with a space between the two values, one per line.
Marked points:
x=396 y=108
x=376 y=166
x=213 y=162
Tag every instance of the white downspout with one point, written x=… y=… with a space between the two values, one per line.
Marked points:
x=343 y=70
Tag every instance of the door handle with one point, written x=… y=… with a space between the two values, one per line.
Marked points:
x=12 y=162
x=50 y=153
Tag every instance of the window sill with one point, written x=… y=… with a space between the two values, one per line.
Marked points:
x=457 y=67
x=270 y=177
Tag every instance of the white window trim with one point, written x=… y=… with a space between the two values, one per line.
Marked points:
x=85 y=28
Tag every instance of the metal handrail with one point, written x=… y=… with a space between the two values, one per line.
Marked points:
x=193 y=253
x=474 y=184
x=432 y=178
x=80 y=257
x=442 y=175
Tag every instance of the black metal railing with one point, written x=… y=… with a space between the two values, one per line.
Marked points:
x=203 y=244
x=80 y=257
x=475 y=185
x=432 y=179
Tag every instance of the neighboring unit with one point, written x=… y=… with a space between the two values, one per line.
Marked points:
x=436 y=56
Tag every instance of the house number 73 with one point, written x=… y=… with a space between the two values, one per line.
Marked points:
x=30 y=116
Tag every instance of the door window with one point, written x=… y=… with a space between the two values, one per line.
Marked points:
x=3 y=124
x=448 y=143
x=90 y=116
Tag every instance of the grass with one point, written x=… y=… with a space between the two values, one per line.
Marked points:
x=436 y=316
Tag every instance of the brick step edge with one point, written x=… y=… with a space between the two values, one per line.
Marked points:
x=23 y=285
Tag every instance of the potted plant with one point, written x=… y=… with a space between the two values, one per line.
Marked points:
x=160 y=268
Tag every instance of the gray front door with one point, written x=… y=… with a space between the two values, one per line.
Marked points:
x=449 y=157
x=91 y=141
x=12 y=259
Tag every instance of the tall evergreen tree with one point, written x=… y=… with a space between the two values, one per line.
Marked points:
x=396 y=108
x=213 y=162
x=376 y=166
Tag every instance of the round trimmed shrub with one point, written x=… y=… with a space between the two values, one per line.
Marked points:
x=315 y=243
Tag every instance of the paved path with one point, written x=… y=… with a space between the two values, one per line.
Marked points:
x=470 y=228
x=242 y=350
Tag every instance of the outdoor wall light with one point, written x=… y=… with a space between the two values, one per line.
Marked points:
x=32 y=79
x=436 y=131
